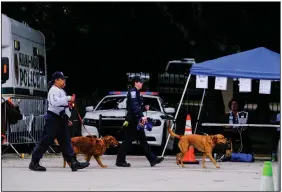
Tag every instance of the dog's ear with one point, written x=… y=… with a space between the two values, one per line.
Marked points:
x=107 y=142
x=110 y=139
x=214 y=139
x=209 y=139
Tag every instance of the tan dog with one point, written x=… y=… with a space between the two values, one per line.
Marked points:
x=91 y=146
x=204 y=143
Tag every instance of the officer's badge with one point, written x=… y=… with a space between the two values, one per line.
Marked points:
x=242 y=117
x=133 y=94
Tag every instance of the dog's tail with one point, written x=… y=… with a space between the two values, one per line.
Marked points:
x=173 y=134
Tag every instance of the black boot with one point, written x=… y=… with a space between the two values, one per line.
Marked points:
x=34 y=166
x=157 y=161
x=75 y=165
x=122 y=164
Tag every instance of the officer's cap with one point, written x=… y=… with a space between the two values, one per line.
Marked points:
x=58 y=75
x=137 y=79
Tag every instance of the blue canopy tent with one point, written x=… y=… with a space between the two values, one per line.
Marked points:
x=259 y=63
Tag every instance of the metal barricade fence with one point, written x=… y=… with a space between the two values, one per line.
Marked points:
x=28 y=130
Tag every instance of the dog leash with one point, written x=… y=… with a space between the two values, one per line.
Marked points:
x=83 y=123
x=80 y=119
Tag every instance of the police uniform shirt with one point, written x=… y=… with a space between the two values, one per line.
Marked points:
x=240 y=118
x=135 y=102
x=58 y=100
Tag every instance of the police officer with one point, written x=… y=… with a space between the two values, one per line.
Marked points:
x=56 y=126
x=134 y=114
x=235 y=132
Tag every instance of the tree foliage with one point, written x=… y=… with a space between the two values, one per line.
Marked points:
x=204 y=26
x=143 y=35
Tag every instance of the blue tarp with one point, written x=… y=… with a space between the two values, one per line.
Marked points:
x=259 y=63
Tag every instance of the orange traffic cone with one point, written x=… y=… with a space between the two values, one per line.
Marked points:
x=189 y=157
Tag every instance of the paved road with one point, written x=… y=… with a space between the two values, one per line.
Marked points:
x=164 y=177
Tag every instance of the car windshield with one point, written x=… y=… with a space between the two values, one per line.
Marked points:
x=112 y=103
x=152 y=102
x=120 y=103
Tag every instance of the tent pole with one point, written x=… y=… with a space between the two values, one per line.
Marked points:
x=199 y=113
x=177 y=111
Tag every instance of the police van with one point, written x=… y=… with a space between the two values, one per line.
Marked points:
x=24 y=75
x=109 y=115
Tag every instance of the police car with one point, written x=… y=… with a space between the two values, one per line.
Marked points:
x=109 y=115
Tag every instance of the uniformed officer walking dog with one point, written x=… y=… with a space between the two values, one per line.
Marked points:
x=134 y=114
x=56 y=126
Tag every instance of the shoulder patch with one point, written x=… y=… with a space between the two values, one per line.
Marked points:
x=133 y=94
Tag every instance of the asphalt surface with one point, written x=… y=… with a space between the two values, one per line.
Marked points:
x=166 y=176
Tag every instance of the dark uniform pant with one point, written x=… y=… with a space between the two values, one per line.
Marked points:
x=56 y=127
x=246 y=141
x=132 y=134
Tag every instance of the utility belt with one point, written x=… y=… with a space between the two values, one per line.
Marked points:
x=60 y=117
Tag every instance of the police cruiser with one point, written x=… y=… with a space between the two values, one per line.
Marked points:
x=109 y=115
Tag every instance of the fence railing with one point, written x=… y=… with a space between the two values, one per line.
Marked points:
x=30 y=128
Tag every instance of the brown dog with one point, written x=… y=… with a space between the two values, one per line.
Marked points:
x=204 y=143
x=91 y=146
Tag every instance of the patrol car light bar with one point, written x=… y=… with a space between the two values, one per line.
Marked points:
x=124 y=92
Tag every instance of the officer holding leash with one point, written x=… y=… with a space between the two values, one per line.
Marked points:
x=56 y=126
x=134 y=114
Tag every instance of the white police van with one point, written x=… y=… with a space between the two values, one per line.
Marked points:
x=24 y=76
x=108 y=116
x=23 y=50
